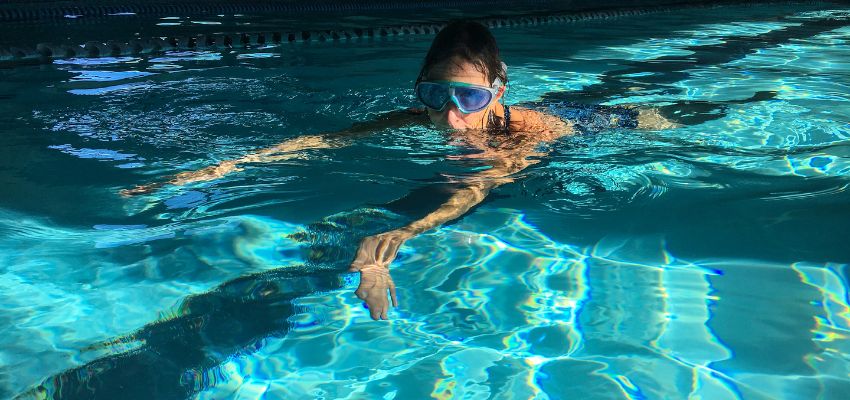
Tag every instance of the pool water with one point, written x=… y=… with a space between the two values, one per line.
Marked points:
x=708 y=261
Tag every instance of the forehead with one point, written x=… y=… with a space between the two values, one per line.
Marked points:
x=458 y=70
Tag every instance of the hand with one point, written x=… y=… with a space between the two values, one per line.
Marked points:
x=651 y=118
x=141 y=189
x=372 y=261
x=374 y=283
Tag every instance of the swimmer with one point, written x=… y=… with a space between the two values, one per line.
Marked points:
x=460 y=85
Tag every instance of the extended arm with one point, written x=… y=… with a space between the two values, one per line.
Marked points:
x=288 y=149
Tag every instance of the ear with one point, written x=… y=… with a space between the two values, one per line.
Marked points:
x=501 y=92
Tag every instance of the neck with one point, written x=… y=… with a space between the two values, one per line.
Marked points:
x=499 y=110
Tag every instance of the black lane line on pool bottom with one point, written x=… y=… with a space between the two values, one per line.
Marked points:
x=177 y=356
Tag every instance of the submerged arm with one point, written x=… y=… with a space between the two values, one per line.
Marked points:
x=375 y=253
x=472 y=191
x=287 y=150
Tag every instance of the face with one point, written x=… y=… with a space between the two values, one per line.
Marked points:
x=450 y=116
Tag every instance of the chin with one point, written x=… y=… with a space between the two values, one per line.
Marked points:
x=450 y=128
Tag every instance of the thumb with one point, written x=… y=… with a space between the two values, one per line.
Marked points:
x=355 y=266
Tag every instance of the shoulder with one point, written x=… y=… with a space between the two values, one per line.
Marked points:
x=533 y=121
x=401 y=115
x=414 y=110
x=402 y=112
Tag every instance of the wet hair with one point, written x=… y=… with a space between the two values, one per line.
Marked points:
x=469 y=41
x=472 y=42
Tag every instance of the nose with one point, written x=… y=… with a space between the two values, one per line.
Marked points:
x=454 y=118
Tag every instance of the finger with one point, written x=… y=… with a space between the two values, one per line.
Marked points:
x=393 y=250
x=392 y=295
x=384 y=311
x=385 y=256
x=379 y=250
x=365 y=254
x=375 y=311
x=362 y=257
x=139 y=189
x=355 y=266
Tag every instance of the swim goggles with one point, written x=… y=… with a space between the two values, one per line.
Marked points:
x=467 y=97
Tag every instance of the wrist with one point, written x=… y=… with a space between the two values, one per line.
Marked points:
x=407 y=232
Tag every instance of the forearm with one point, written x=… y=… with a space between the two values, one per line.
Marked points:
x=300 y=143
x=334 y=139
x=458 y=204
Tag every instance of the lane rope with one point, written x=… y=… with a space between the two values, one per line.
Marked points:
x=46 y=52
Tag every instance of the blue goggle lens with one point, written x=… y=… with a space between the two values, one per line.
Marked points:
x=472 y=99
x=433 y=95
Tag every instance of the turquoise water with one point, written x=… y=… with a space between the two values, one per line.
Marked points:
x=708 y=261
